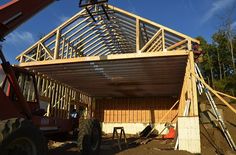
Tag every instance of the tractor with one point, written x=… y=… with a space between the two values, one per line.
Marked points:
x=24 y=127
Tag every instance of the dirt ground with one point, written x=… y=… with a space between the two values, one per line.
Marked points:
x=109 y=147
x=212 y=141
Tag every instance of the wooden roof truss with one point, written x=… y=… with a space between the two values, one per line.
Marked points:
x=123 y=33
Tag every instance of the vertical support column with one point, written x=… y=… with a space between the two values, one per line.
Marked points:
x=182 y=101
x=57 y=43
x=194 y=103
x=91 y=107
x=69 y=101
x=37 y=52
x=50 y=96
x=63 y=48
x=137 y=35
x=39 y=85
x=163 y=40
x=188 y=126
x=189 y=45
x=21 y=59
x=189 y=89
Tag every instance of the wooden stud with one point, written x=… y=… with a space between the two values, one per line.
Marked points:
x=163 y=40
x=57 y=44
x=151 y=41
x=177 y=44
x=137 y=36
x=194 y=87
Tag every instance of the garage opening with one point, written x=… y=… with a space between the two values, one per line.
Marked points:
x=133 y=70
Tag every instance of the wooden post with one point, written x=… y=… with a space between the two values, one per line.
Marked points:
x=188 y=127
x=194 y=101
x=37 y=52
x=57 y=43
x=189 y=45
x=137 y=35
x=184 y=91
x=163 y=40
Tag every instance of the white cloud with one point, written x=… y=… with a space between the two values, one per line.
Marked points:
x=216 y=6
x=19 y=37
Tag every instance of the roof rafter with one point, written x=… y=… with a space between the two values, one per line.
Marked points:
x=125 y=32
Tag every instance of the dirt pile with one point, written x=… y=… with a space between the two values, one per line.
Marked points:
x=212 y=139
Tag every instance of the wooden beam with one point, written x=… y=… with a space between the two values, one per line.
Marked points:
x=75 y=26
x=229 y=96
x=57 y=44
x=26 y=56
x=194 y=101
x=154 y=44
x=158 y=45
x=152 y=23
x=137 y=36
x=215 y=93
x=163 y=40
x=53 y=32
x=183 y=93
x=151 y=40
x=46 y=50
x=176 y=44
x=189 y=45
x=107 y=57
x=166 y=114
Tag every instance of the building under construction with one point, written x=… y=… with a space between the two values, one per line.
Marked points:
x=128 y=70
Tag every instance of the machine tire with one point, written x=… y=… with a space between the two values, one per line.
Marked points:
x=89 y=136
x=19 y=136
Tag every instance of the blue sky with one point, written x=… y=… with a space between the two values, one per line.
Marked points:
x=191 y=17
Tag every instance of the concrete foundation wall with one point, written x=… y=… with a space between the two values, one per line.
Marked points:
x=189 y=134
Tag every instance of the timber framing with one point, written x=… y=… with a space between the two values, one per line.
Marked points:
x=124 y=33
x=107 y=58
x=127 y=58
x=111 y=51
x=59 y=96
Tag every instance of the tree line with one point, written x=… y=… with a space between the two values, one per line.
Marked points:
x=218 y=61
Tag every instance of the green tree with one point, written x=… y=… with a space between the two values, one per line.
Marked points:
x=207 y=63
x=223 y=55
